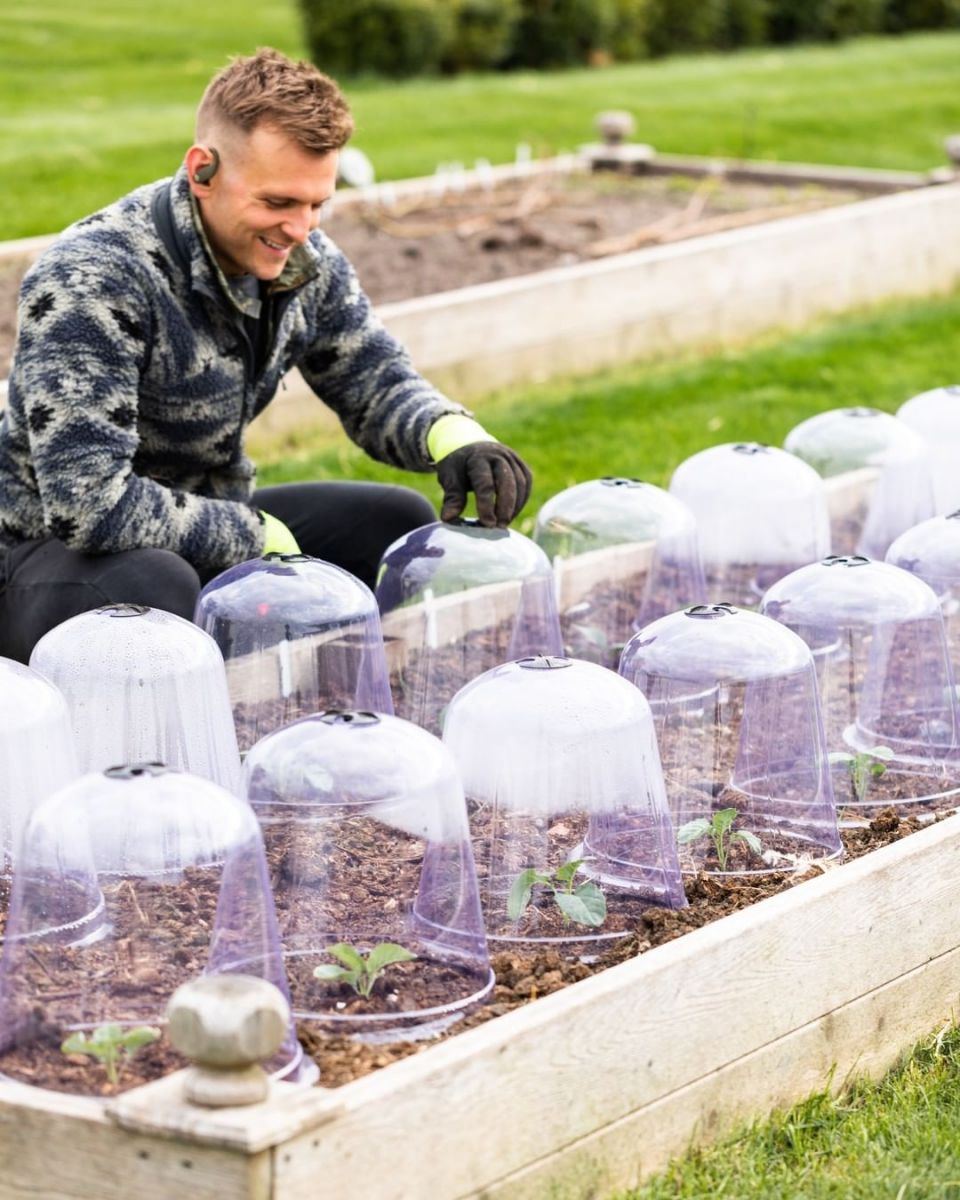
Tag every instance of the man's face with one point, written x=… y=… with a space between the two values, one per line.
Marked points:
x=264 y=200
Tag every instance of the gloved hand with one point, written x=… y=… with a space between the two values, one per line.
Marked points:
x=470 y=460
x=277 y=538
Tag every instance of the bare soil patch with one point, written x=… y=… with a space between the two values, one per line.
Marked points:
x=435 y=243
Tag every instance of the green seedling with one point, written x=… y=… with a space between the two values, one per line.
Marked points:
x=358 y=972
x=863 y=766
x=584 y=904
x=110 y=1043
x=719 y=829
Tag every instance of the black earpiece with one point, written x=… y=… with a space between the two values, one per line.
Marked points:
x=206 y=173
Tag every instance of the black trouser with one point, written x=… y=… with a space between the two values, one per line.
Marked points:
x=43 y=583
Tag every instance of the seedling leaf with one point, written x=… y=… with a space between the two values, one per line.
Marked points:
x=350 y=957
x=586 y=906
x=383 y=955
x=693 y=830
x=520 y=892
x=744 y=835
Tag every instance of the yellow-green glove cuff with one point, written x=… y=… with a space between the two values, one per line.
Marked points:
x=277 y=538
x=452 y=431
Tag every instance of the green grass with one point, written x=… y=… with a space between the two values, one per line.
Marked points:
x=99 y=97
x=894 y=1140
x=643 y=419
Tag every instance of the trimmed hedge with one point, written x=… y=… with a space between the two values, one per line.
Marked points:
x=420 y=37
x=382 y=37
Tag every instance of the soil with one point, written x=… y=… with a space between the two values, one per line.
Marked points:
x=437 y=243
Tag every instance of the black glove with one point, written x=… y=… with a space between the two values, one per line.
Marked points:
x=497 y=476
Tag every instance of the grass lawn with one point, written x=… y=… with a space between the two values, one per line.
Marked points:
x=894 y=1140
x=642 y=420
x=99 y=98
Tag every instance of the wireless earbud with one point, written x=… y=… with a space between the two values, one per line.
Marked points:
x=206 y=173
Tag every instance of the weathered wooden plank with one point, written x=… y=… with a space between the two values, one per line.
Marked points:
x=862 y=1038
x=64 y=1148
x=610 y=1045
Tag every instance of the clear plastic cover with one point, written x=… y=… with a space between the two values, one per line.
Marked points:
x=760 y=514
x=935 y=415
x=365 y=826
x=143 y=685
x=877 y=635
x=298 y=636
x=37 y=756
x=130 y=882
x=737 y=716
x=889 y=484
x=456 y=600
x=624 y=552
x=931 y=551
x=568 y=814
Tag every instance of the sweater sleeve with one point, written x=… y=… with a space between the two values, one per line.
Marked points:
x=84 y=338
x=365 y=375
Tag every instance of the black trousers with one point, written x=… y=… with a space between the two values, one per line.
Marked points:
x=43 y=582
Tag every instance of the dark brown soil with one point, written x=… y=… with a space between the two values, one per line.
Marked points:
x=518 y=227
x=522 y=977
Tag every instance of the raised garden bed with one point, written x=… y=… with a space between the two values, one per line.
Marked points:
x=581 y=1092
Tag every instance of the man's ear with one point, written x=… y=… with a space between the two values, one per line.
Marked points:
x=202 y=164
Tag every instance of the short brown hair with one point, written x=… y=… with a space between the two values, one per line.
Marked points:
x=269 y=88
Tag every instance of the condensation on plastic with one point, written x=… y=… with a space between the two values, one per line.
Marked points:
x=559 y=764
x=935 y=415
x=886 y=682
x=624 y=552
x=298 y=636
x=760 y=514
x=456 y=600
x=130 y=882
x=143 y=685
x=37 y=754
x=365 y=826
x=890 y=482
x=736 y=711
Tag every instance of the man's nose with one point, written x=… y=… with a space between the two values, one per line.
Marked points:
x=299 y=225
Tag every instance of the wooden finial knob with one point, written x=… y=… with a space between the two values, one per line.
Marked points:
x=226 y=1025
x=615 y=126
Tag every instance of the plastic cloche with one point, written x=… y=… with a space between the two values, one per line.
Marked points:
x=365 y=827
x=886 y=684
x=298 y=636
x=457 y=599
x=737 y=716
x=888 y=485
x=130 y=882
x=568 y=814
x=760 y=514
x=935 y=415
x=37 y=756
x=142 y=685
x=624 y=552
x=931 y=551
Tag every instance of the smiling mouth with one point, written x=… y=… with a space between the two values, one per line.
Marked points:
x=277 y=246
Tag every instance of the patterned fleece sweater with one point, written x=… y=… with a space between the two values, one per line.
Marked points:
x=135 y=377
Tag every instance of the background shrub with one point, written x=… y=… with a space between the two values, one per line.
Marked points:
x=902 y=15
x=744 y=23
x=484 y=33
x=676 y=25
x=628 y=40
x=562 y=33
x=381 y=37
x=824 y=20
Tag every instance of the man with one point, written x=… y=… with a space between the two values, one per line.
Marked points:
x=155 y=330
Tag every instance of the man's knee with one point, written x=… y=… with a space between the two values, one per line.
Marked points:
x=407 y=510
x=156 y=578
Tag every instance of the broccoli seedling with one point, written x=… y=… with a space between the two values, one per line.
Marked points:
x=109 y=1042
x=862 y=766
x=584 y=904
x=719 y=828
x=358 y=972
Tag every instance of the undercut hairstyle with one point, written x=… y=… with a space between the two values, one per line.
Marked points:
x=268 y=88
